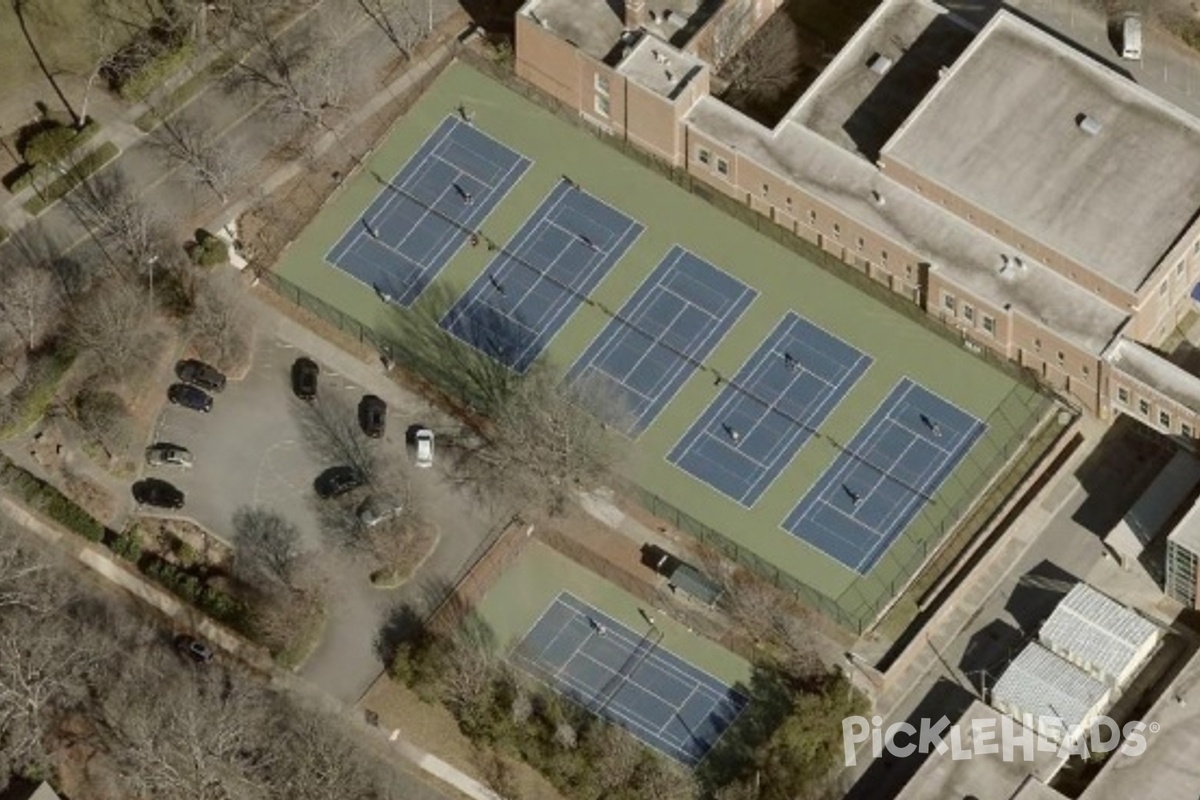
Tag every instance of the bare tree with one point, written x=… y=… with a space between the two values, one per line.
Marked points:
x=220 y=323
x=268 y=546
x=190 y=146
x=104 y=416
x=331 y=432
x=30 y=303
x=193 y=739
x=299 y=72
x=545 y=441
x=768 y=65
x=110 y=323
x=312 y=757
x=400 y=21
x=113 y=213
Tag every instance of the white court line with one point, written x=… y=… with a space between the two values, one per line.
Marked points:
x=665 y=665
x=515 y=245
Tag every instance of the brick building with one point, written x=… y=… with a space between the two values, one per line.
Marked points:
x=1033 y=198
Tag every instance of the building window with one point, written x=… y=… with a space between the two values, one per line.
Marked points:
x=1037 y=345
x=837 y=231
x=1144 y=407
x=989 y=324
x=766 y=190
x=602 y=84
x=1061 y=357
x=1163 y=288
x=812 y=217
x=883 y=258
x=1179 y=268
x=703 y=156
x=948 y=302
x=1122 y=395
x=601 y=105
x=860 y=243
x=1164 y=419
x=722 y=166
x=968 y=313
x=1185 y=430
x=1087 y=371
x=908 y=271
x=788 y=202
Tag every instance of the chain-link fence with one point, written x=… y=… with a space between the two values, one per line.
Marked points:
x=983 y=473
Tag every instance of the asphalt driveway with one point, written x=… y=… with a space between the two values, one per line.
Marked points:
x=250 y=451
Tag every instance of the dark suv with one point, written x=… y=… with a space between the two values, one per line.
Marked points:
x=304 y=378
x=336 y=481
x=200 y=374
x=157 y=493
x=190 y=397
x=372 y=415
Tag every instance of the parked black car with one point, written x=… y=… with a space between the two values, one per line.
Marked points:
x=304 y=378
x=194 y=649
x=336 y=481
x=190 y=397
x=197 y=373
x=157 y=493
x=372 y=415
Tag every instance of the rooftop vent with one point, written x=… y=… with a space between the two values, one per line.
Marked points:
x=1089 y=125
x=879 y=64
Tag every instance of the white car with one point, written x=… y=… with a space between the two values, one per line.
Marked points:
x=374 y=511
x=423 y=438
x=168 y=455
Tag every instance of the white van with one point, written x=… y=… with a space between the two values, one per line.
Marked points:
x=1131 y=38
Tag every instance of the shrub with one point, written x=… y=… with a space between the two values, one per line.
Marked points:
x=43 y=497
x=128 y=544
x=49 y=146
x=90 y=163
x=155 y=71
x=208 y=250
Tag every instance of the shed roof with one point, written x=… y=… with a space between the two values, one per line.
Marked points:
x=1042 y=684
x=1097 y=630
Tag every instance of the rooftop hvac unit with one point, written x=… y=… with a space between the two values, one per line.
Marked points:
x=879 y=64
x=1089 y=125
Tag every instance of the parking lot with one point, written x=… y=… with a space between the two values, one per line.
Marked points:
x=250 y=451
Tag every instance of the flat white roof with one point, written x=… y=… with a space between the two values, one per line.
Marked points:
x=858 y=104
x=1042 y=684
x=965 y=253
x=1097 y=630
x=659 y=67
x=594 y=26
x=1144 y=365
x=1002 y=129
x=984 y=776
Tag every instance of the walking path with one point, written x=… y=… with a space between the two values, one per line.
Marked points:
x=123 y=132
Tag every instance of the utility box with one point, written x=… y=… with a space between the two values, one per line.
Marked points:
x=1131 y=38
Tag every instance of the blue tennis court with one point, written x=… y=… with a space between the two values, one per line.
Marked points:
x=658 y=338
x=626 y=678
x=537 y=281
x=890 y=469
x=775 y=404
x=424 y=215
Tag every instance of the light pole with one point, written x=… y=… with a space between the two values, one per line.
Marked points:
x=150 y=262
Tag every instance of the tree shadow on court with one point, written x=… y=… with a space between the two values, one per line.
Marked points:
x=468 y=377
